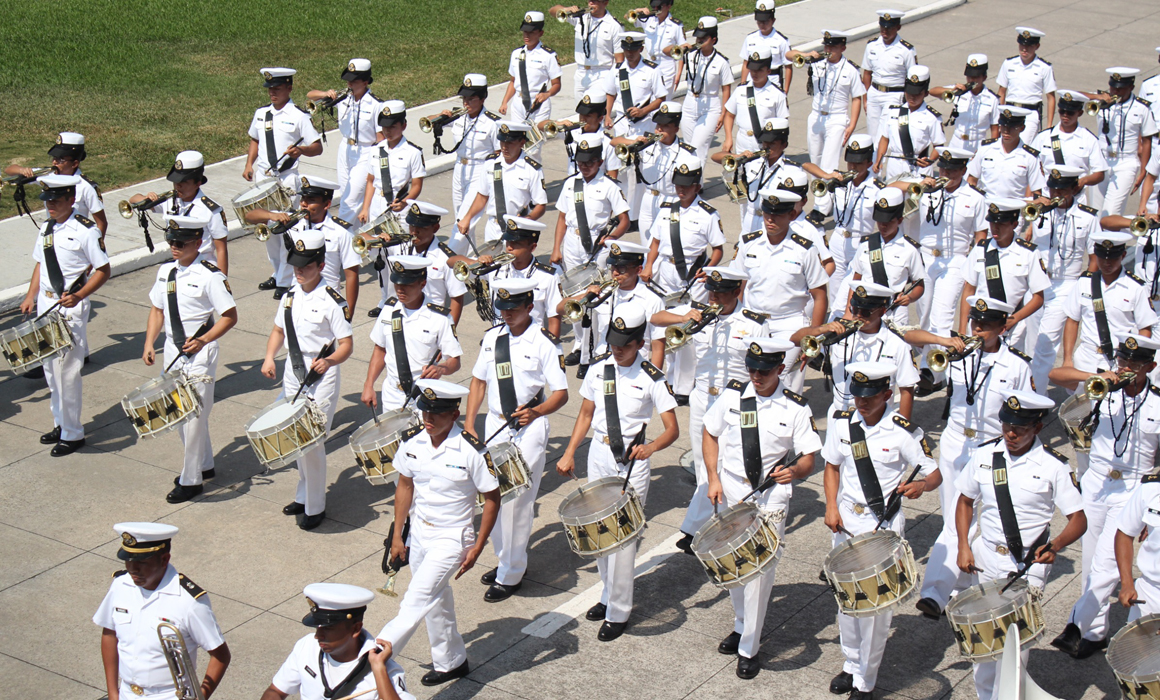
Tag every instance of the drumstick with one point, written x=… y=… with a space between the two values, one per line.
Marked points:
x=73 y=289
x=1131 y=601
x=313 y=376
x=638 y=440
x=374 y=414
x=415 y=385
x=781 y=464
x=276 y=168
x=535 y=401
x=355 y=695
x=200 y=332
x=895 y=499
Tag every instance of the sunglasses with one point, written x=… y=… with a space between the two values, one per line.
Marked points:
x=178 y=244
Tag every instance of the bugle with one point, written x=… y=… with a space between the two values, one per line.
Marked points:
x=679 y=52
x=1097 y=388
x=918 y=189
x=127 y=209
x=949 y=96
x=574 y=308
x=464 y=272
x=730 y=162
x=634 y=15
x=1141 y=225
x=36 y=172
x=800 y=60
x=938 y=359
x=1093 y=107
x=625 y=153
x=551 y=129
x=823 y=185
x=181 y=666
x=677 y=336
x=1033 y=211
x=562 y=17
x=812 y=345
x=380 y=234
x=262 y=232
x=312 y=106
x=438 y=121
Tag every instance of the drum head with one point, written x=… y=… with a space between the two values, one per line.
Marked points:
x=732 y=526
x=370 y=434
x=869 y=551
x=258 y=191
x=592 y=500
x=502 y=452
x=986 y=600
x=1135 y=650
x=152 y=389
x=276 y=414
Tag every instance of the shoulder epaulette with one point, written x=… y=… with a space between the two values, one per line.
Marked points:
x=934 y=111
x=688 y=147
x=122 y=572
x=341 y=222
x=988 y=142
x=783 y=36
x=549 y=50
x=651 y=288
x=816 y=217
x=492 y=114
x=1086 y=273
x=446 y=249
x=543 y=267
x=442 y=310
x=751 y=236
x=210 y=204
x=987 y=89
x=338 y=298
x=893 y=327
x=600 y=358
x=413 y=431
x=755 y=315
x=391 y=301
x=993 y=441
x=913 y=242
x=1032 y=151
x=735 y=385
x=843 y=414
x=87 y=223
x=652 y=371
x=853 y=63
x=1011 y=57
x=904 y=424
x=548 y=334
x=1054 y=453
x=1044 y=61
x=302 y=109
x=1132 y=276
x=96 y=187
x=907 y=44
x=190 y=587
x=879 y=183
x=801 y=240
x=474 y=442
x=532 y=162
x=210 y=266
x=648 y=63
x=708 y=207
x=1029 y=245
x=1020 y=354
x=1150 y=479
x=982 y=243
x=978 y=189
x=1146 y=103
x=795 y=397
x=491 y=156
x=1090 y=210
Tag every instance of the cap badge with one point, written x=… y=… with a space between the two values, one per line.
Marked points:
x=1055 y=174
x=59 y=138
x=512 y=225
x=386 y=110
x=664 y=108
x=618 y=324
x=887 y=16
x=415 y=209
x=1108 y=244
x=1013 y=403
x=1006 y=114
x=883 y=203
x=788 y=182
x=763 y=7
x=503 y=128
x=584 y=145
x=855 y=145
x=913 y=77
x=860 y=291
x=313 y=605
x=299 y=245
x=973 y=63
x=178 y=166
x=615 y=250
x=981 y=305
x=772 y=199
x=716 y=276
x=700 y=25
x=826 y=35
x=754 y=56
x=684 y=168
x=350 y=66
x=267 y=75
x=1131 y=343
x=429 y=394
x=528 y=18
x=994 y=209
x=173 y=225
x=1026 y=34
x=503 y=293
x=861 y=378
x=1115 y=76
x=586 y=100
x=397 y=266
x=128 y=540
x=467 y=82
x=305 y=182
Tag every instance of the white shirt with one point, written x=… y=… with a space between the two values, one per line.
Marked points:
x=1003 y=174
x=638 y=391
x=835 y=86
x=977 y=114
x=300 y=673
x=425 y=330
x=541 y=66
x=77 y=245
x=406 y=163
x=771 y=104
x=883 y=346
x=1021 y=265
x=705 y=76
x=201 y=290
x=134 y=613
x=925 y=131
x=853 y=209
x=700 y=228
x=201 y=207
x=359 y=119
x=721 y=346
x=1143 y=511
x=340 y=255
x=602 y=200
x=889 y=63
x=546 y=296
x=780 y=276
x=1127 y=122
x=477 y=138
x=903 y=263
x=894 y=449
x=644 y=84
x=442 y=286
x=657 y=162
x=778 y=47
x=1080 y=149
x=658 y=36
x=1064 y=236
x=523 y=186
x=759 y=175
x=537 y=365
x=88 y=199
x=447 y=478
x=1125 y=438
x=991 y=375
x=319 y=316
x=643 y=297
x=290 y=124
x=1126 y=306
x=597 y=40
x=950 y=220
x=1026 y=83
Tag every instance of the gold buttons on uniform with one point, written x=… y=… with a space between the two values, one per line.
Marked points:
x=1001 y=549
x=970 y=432
x=859 y=508
x=1115 y=474
x=137 y=690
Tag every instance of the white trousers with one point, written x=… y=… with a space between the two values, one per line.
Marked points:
x=63 y=374
x=436 y=554
x=1103 y=499
x=352 y=179
x=202 y=369
x=959 y=142
x=939 y=303
x=648 y=211
x=751 y=601
x=699 y=116
x=824 y=138
x=1046 y=326
x=586 y=78
x=618 y=570
x=312 y=465
x=943 y=579
x=700 y=509
x=877 y=102
x=513 y=527
x=1111 y=195
x=680 y=369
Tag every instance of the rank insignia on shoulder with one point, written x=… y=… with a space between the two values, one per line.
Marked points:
x=544 y=267
x=708 y=207
x=751 y=236
x=652 y=371
x=474 y=442
x=532 y=162
x=934 y=111
x=907 y=44
x=1149 y=479
x=548 y=334
x=210 y=204
x=925 y=446
x=601 y=358
x=795 y=397
x=1032 y=151
x=338 y=298
x=988 y=142
x=735 y=385
x=687 y=147
x=1054 y=453
x=210 y=266
x=441 y=310
x=341 y=222
x=1133 y=276
x=843 y=414
x=1029 y=245
x=492 y=115
x=1020 y=354
x=992 y=441
x=190 y=587
x=913 y=242
x=1090 y=210
x=650 y=64
x=904 y=424
x=977 y=189
x=1154 y=389
x=415 y=430
x=122 y=572
x=446 y=249
x=87 y=223
x=802 y=240
x=755 y=315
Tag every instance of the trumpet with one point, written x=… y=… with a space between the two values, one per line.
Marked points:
x=36 y=172
x=625 y=153
x=917 y=189
x=1098 y=388
x=800 y=60
x=180 y=665
x=634 y=16
x=1093 y=107
x=677 y=336
x=679 y=52
x=551 y=129
x=1141 y=225
x=262 y=232
x=312 y=106
x=812 y=345
x=363 y=242
x=939 y=359
x=822 y=185
x=464 y=272
x=1033 y=211
x=730 y=162
x=563 y=17
x=438 y=121
x=574 y=308
x=949 y=96
x=127 y=209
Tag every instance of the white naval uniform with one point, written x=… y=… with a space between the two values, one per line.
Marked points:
x=948 y=222
x=785 y=425
x=760 y=175
x=426 y=330
x=1143 y=511
x=886 y=346
x=319 y=317
x=340 y=253
x=896 y=450
x=201 y=207
x=1027 y=86
x=358 y=125
x=537 y=366
x=88 y=197
x=926 y=132
x=836 y=85
x=659 y=36
x=903 y=262
x=1126 y=306
x=719 y=350
x=523 y=188
x=542 y=67
x=888 y=65
x=447 y=480
x=1123 y=449
x=133 y=613
x=602 y=202
x=77 y=243
x=643 y=297
x=301 y=673
x=1126 y=123
x=1039 y=481
x=700 y=228
x=406 y=162
x=778 y=47
x=1150 y=91
x=545 y=297
x=770 y=102
x=474 y=141
x=202 y=291
x=1002 y=174
x=1065 y=236
x=992 y=375
x=653 y=173
x=1080 y=149
x=976 y=115
x=640 y=388
x=705 y=76
x=608 y=155
x=596 y=45
x=1023 y=271
x=645 y=86
x=852 y=207
x=290 y=125
x=442 y=286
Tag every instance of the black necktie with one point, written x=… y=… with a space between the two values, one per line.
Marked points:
x=402 y=363
x=503 y=374
x=750 y=441
x=271 y=149
x=994 y=273
x=385 y=175
x=675 y=239
x=612 y=413
x=878 y=261
x=55 y=276
x=297 y=362
x=867 y=477
x=525 y=89
x=176 y=328
x=1006 y=507
x=497 y=192
x=582 y=214
x=1101 y=317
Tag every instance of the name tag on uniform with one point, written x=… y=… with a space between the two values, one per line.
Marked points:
x=310 y=671
x=121 y=610
x=503 y=370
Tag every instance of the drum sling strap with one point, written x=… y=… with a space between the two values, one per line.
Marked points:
x=348 y=684
x=582 y=215
x=1006 y=507
x=754 y=120
x=904 y=134
x=867 y=477
x=612 y=413
x=878 y=261
x=402 y=362
x=176 y=327
x=297 y=363
x=675 y=240
x=525 y=89
x=497 y=192
x=625 y=92
x=55 y=276
x=1101 y=317
x=385 y=175
x=503 y=375
x=271 y=150
x=750 y=440
x=994 y=274
x=1057 y=150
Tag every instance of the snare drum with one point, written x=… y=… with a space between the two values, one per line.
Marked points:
x=579 y=279
x=282 y=431
x=737 y=546
x=871 y=573
x=383 y=226
x=1134 y=655
x=35 y=342
x=981 y=615
x=266 y=194
x=160 y=405
x=374 y=445
x=510 y=469
x=599 y=520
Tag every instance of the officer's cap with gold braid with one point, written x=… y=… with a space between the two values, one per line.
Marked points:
x=628 y=324
x=1111 y=244
x=439 y=396
x=517 y=228
x=423 y=214
x=776 y=201
x=332 y=603
x=314 y=186
x=1137 y=348
x=1004 y=209
x=143 y=540
x=724 y=279
x=1024 y=407
x=589 y=147
x=392 y=112
x=889 y=204
x=407 y=269
x=513 y=292
x=184 y=228
x=765 y=354
x=859 y=149
x=277 y=76
x=474 y=85
x=890 y=18
x=986 y=309
x=869 y=378
x=867 y=295
x=357 y=69
x=626 y=253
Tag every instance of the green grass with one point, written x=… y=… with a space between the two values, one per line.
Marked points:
x=143 y=79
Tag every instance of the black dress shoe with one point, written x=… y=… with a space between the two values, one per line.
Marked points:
x=610 y=630
x=267 y=285
x=294 y=508
x=682 y=399
x=728 y=646
x=748 y=668
x=843 y=683
x=1068 y=640
x=499 y=592
x=572 y=359
x=929 y=608
x=434 y=677
x=862 y=695
x=181 y=494
x=67 y=447
x=582 y=371
x=208 y=474
x=280 y=292
x=1087 y=647
x=489 y=578
x=596 y=612
x=309 y=522
x=51 y=437
x=374 y=311
x=685 y=544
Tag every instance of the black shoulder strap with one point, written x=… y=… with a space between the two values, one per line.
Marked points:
x=750 y=440
x=877 y=261
x=1105 y=333
x=297 y=363
x=612 y=412
x=675 y=240
x=867 y=477
x=55 y=276
x=402 y=361
x=176 y=327
x=1006 y=507
x=994 y=273
x=503 y=375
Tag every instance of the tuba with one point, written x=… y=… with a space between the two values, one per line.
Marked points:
x=677 y=336
x=812 y=345
x=938 y=359
x=1097 y=388
x=127 y=209
x=180 y=665
x=312 y=106
x=263 y=232
x=438 y=121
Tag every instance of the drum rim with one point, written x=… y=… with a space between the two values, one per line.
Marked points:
x=268 y=187
x=698 y=537
x=368 y=427
x=1125 y=630
x=614 y=481
x=155 y=382
x=1020 y=586
x=861 y=574
x=270 y=407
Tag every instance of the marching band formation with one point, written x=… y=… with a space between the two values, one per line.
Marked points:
x=963 y=265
